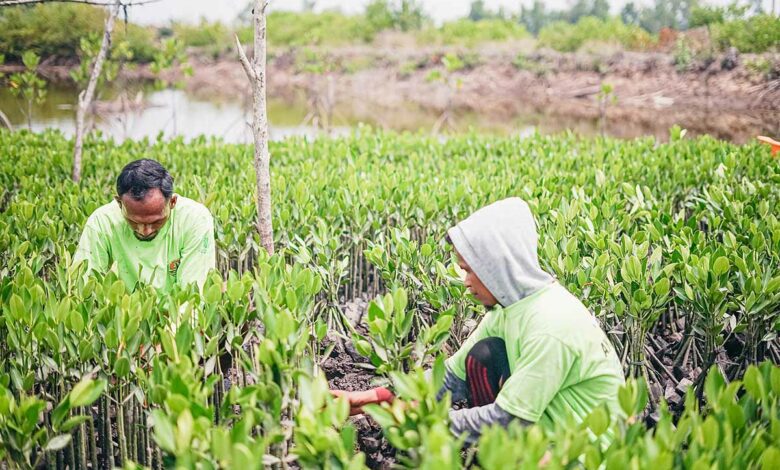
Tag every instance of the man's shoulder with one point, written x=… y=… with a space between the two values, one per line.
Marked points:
x=558 y=313
x=190 y=212
x=191 y=207
x=105 y=216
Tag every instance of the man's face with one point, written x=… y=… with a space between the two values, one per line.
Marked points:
x=147 y=216
x=474 y=285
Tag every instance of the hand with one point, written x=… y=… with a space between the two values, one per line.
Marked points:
x=361 y=398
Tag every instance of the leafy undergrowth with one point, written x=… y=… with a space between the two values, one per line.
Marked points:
x=674 y=247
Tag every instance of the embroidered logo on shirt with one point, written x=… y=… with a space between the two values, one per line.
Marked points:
x=173 y=267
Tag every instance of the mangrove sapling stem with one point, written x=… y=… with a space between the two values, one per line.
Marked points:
x=143 y=444
x=133 y=430
x=361 y=279
x=148 y=443
x=129 y=426
x=101 y=432
x=774 y=353
x=697 y=357
x=70 y=453
x=93 y=445
x=158 y=458
x=682 y=355
x=218 y=392
x=83 y=443
x=120 y=427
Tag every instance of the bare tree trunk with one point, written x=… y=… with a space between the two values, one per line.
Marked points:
x=255 y=71
x=5 y=121
x=86 y=96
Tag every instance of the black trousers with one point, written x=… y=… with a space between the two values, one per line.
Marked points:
x=487 y=369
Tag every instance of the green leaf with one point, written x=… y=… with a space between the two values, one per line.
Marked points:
x=362 y=346
x=399 y=301
x=713 y=385
x=184 y=424
x=86 y=392
x=163 y=432
x=122 y=367
x=375 y=311
x=662 y=287
x=71 y=423
x=720 y=266
x=598 y=421
x=404 y=385
x=213 y=294
x=234 y=291
x=754 y=383
x=770 y=459
x=16 y=307
x=426 y=250
x=57 y=443
x=381 y=415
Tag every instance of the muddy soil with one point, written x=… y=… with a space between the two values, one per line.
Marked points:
x=731 y=96
x=343 y=374
x=722 y=95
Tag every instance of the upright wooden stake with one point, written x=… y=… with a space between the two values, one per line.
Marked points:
x=255 y=72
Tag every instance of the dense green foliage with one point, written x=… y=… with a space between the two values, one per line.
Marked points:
x=654 y=238
x=738 y=427
x=52 y=30
x=567 y=37
x=469 y=32
x=758 y=33
x=56 y=30
x=295 y=29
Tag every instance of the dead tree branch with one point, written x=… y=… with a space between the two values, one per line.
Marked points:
x=255 y=72
x=86 y=96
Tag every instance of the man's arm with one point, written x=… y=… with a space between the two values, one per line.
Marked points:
x=471 y=421
x=198 y=256
x=456 y=364
x=93 y=248
x=452 y=383
x=538 y=375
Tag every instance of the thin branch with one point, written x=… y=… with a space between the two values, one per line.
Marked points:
x=86 y=96
x=104 y=3
x=5 y=121
x=250 y=72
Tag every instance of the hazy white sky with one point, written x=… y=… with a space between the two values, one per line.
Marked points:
x=164 y=11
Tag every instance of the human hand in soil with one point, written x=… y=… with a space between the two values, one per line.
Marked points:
x=361 y=398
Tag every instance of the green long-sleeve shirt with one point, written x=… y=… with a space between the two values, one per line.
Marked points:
x=183 y=251
x=562 y=364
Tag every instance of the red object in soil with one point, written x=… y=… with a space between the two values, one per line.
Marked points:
x=771 y=142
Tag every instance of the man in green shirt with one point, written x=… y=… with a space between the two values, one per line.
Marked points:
x=538 y=355
x=148 y=233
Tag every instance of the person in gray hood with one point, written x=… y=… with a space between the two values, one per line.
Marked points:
x=538 y=355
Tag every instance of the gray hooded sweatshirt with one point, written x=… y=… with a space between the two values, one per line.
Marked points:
x=499 y=243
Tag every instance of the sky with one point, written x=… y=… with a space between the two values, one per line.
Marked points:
x=191 y=11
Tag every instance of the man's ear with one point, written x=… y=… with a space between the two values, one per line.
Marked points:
x=174 y=199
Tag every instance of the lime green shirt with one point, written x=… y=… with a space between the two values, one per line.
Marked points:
x=182 y=252
x=562 y=363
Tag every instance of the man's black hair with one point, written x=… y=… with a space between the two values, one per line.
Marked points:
x=138 y=177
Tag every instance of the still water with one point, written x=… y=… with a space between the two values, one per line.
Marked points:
x=141 y=111
x=173 y=112
x=165 y=113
